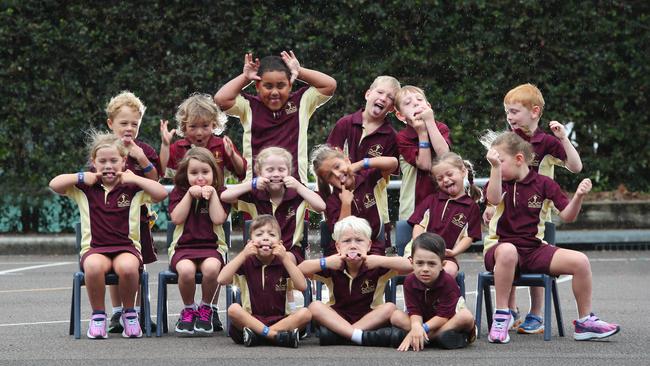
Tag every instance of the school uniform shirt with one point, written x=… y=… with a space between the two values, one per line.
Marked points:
x=520 y=216
x=453 y=219
x=286 y=128
x=441 y=299
x=364 y=203
x=110 y=220
x=198 y=232
x=215 y=144
x=290 y=213
x=547 y=151
x=417 y=184
x=350 y=136
x=355 y=297
x=263 y=287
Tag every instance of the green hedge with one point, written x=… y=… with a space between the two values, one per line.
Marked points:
x=62 y=61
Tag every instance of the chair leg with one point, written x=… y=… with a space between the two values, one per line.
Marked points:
x=547 y=308
x=307 y=300
x=460 y=280
x=319 y=290
x=229 y=298
x=144 y=302
x=76 y=303
x=71 y=330
x=488 y=303
x=558 y=310
x=479 y=305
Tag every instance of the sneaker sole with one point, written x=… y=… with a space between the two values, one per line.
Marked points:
x=98 y=337
x=139 y=335
x=589 y=335
x=496 y=341
x=528 y=331
x=184 y=331
x=515 y=325
x=203 y=331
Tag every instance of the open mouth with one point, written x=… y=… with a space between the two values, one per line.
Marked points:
x=353 y=254
x=108 y=174
x=377 y=108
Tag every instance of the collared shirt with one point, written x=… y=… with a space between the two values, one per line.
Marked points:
x=151 y=154
x=440 y=299
x=358 y=295
x=547 y=149
x=263 y=287
x=215 y=144
x=417 y=184
x=520 y=216
x=109 y=218
x=286 y=128
x=453 y=219
x=198 y=231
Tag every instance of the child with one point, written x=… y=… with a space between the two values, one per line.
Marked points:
x=450 y=212
x=524 y=106
x=356 y=282
x=124 y=114
x=199 y=122
x=422 y=139
x=355 y=186
x=368 y=133
x=109 y=201
x=276 y=117
x=198 y=243
x=264 y=272
x=274 y=191
x=515 y=245
x=436 y=310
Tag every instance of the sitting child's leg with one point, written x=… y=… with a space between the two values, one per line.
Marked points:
x=505 y=264
x=290 y=298
x=210 y=268
x=95 y=268
x=451 y=268
x=283 y=333
x=186 y=270
x=127 y=267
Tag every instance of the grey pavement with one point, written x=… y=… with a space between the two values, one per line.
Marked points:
x=35 y=307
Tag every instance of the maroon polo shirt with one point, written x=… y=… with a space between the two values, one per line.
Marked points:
x=439 y=299
x=151 y=154
x=520 y=216
x=215 y=144
x=198 y=231
x=547 y=151
x=109 y=218
x=355 y=297
x=348 y=135
x=415 y=189
x=290 y=213
x=364 y=203
x=450 y=218
x=263 y=287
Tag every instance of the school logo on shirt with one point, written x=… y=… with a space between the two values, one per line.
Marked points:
x=124 y=200
x=368 y=287
x=376 y=150
x=459 y=220
x=369 y=200
x=217 y=157
x=291 y=213
x=281 y=285
x=535 y=201
x=291 y=108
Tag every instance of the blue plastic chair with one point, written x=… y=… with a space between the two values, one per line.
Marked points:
x=486 y=280
x=403 y=235
x=168 y=276
x=78 y=280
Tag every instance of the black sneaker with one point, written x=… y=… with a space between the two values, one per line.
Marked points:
x=452 y=340
x=250 y=338
x=115 y=326
x=383 y=337
x=216 y=322
x=185 y=323
x=329 y=338
x=288 y=338
x=203 y=322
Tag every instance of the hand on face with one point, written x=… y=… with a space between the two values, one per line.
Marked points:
x=250 y=248
x=426 y=115
x=135 y=151
x=419 y=125
x=126 y=176
x=493 y=157
x=251 y=67
x=292 y=63
x=165 y=134
x=279 y=250
x=90 y=178
x=584 y=187
x=291 y=183
x=196 y=192
x=335 y=261
x=262 y=183
x=346 y=196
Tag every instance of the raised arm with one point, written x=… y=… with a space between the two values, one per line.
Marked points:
x=573 y=162
x=493 y=194
x=228 y=271
x=437 y=140
x=400 y=264
x=571 y=211
x=313 y=266
x=232 y=193
x=313 y=199
x=225 y=97
x=61 y=183
x=387 y=164
x=325 y=84
x=154 y=189
x=165 y=140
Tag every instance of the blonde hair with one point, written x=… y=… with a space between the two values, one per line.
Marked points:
x=528 y=95
x=100 y=140
x=510 y=141
x=457 y=161
x=319 y=155
x=407 y=89
x=356 y=224
x=201 y=106
x=273 y=151
x=394 y=83
x=125 y=98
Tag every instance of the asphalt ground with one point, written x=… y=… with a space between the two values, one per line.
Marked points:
x=35 y=296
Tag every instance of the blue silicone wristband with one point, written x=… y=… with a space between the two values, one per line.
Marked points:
x=254 y=183
x=80 y=178
x=148 y=168
x=424 y=145
x=265 y=331
x=426 y=328
x=366 y=163
x=323 y=264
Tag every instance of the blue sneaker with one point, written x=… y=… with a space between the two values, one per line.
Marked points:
x=532 y=325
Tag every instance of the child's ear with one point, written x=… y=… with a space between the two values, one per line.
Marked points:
x=109 y=122
x=536 y=111
x=519 y=157
x=399 y=116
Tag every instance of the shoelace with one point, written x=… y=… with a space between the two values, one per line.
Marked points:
x=500 y=324
x=187 y=315
x=204 y=314
x=132 y=319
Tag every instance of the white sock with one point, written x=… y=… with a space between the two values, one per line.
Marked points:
x=190 y=306
x=357 y=336
x=117 y=309
x=137 y=309
x=204 y=303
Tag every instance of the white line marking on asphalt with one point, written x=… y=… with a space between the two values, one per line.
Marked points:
x=35 y=267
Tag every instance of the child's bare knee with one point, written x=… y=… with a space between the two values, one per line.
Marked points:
x=234 y=309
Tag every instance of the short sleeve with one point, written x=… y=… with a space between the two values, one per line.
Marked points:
x=413 y=306
x=555 y=194
x=407 y=148
x=474 y=223
x=240 y=109
x=420 y=210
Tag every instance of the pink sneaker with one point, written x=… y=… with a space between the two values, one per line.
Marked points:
x=97 y=327
x=131 y=324
x=499 y=330
x=594 y=328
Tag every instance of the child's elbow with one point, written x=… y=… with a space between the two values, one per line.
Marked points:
x=224 y=280
x=300 y=285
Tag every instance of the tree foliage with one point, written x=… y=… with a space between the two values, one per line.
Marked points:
x=61 y=61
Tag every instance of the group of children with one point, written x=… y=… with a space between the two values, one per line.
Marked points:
x=438 y=197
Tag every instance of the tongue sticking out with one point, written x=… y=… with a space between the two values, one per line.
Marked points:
x=354 y=255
